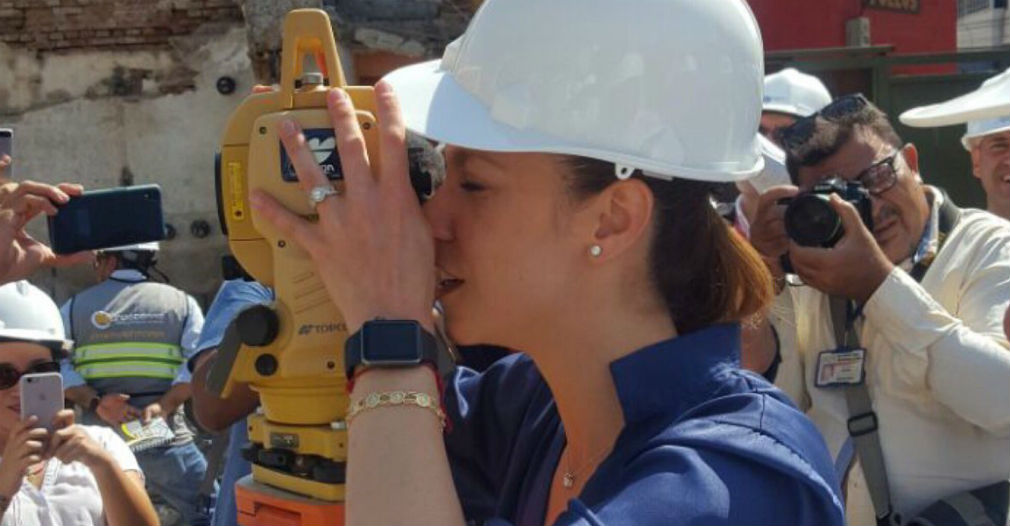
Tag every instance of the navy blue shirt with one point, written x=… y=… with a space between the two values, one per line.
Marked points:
x=704 y=443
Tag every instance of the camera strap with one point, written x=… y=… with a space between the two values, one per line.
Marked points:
x=862 y=422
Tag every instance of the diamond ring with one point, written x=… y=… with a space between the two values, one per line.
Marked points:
x=320 y=193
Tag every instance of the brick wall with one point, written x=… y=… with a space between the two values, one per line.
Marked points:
x=51 y=25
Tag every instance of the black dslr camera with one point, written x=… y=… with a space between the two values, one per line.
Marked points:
x=812 y=222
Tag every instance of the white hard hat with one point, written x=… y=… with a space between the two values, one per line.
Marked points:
x=27 y=314
x=981 y=109
x=985 y=127
x=795 y=93
x=669 y=87
x=152 y=246
x=774 y=173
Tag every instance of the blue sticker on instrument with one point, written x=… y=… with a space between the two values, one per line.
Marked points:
x=323 y=145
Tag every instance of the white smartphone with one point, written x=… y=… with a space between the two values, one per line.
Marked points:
x=7 y=147
x=42 y=396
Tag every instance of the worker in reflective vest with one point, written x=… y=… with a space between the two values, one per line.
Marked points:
x=133 y=336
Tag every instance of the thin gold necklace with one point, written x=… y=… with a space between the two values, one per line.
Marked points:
x=571 y=474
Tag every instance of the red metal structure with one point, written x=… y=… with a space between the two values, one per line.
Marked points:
x=911 y=26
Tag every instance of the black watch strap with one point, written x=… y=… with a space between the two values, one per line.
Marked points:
x=355 y=354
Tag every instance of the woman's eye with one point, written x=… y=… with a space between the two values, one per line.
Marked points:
x=470 y=186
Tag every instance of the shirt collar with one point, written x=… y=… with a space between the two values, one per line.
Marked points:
x=128 y=274
x=929 y=243
x=675 y=375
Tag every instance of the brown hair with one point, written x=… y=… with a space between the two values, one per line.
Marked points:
x=705 y=272
x=829 y=135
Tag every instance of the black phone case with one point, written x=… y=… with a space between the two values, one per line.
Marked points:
x=108 y=218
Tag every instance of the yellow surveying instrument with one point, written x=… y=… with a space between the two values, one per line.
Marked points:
x=290 y=352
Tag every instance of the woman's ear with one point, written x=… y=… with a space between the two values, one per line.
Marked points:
x=624 y=211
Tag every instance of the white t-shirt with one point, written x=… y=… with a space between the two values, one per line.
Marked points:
x=69 y=494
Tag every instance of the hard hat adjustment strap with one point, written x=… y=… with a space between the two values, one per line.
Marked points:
x=623 y=171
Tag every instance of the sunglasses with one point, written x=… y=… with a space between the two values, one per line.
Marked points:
x=9 y=375
x=798 y=133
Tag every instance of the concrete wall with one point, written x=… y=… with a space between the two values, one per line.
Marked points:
x=105 y=118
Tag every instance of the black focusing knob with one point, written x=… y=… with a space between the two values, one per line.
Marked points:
x=266 y=365
x=257 y=326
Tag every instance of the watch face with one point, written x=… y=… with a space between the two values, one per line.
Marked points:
x=391 y=342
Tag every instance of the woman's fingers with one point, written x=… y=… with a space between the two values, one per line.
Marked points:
x=350 y=143
x=71 y=189
x=392 y=140
x=41 y=189
x=302 y=158
x=287 y=222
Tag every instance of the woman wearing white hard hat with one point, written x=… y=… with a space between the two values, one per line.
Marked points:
x=80 y=475
x=574 y=224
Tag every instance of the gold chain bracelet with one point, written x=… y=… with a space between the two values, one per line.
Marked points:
x=396 y=398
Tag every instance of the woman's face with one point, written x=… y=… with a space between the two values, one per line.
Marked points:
x=509 y=244
x=20 y=356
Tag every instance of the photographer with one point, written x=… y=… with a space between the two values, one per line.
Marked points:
x=21 y=254
x=927 y=286
x=76 y=474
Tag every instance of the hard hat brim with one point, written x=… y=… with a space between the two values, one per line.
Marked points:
x=435 y=106
x=966 y=140
x=59 y=346
x=784 y=109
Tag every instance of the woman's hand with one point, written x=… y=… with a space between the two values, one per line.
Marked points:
x=24 y=448
x=71 y=443
x=371 y=247
x=20 y=254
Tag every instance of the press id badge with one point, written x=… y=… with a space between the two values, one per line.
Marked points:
x=840 y=367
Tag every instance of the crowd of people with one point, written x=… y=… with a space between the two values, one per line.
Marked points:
x=667 y=364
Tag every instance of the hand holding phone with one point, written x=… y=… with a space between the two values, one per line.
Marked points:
x=6 y=152
x=41 y=397
x=108 y=218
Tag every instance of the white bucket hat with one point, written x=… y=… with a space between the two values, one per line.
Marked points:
x=985 y=110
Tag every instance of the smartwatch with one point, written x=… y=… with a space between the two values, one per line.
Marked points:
x=389 y=343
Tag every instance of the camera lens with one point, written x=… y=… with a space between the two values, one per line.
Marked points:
x=812 y=222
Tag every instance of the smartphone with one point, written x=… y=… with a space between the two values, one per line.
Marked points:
x=42 y=396
x=7 y=148
x=108 y=218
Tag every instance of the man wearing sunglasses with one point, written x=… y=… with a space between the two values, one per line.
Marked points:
x=73 y=474
x=924 y=291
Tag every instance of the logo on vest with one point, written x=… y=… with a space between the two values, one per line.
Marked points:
x=103 y=320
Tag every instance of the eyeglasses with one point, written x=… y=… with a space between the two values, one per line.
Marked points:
x=9 y=375
x=880 y=177
x=798 y=133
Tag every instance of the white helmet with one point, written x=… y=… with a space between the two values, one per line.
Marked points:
x=152 y=246
x=669 y=87
x=985 y=110
x=795 y=93
x=27 y=314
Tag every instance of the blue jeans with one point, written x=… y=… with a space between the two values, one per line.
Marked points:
x=175 y=473
x=235 y=467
